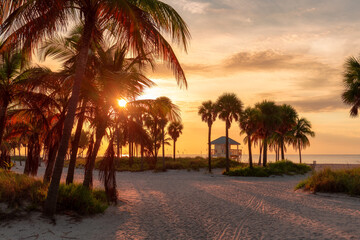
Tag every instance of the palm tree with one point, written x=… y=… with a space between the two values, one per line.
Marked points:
x=269 y=122
x=139 y=22
x=300 y=134
x=288 y=120
x=351 y=95
x=229 y=108
x=208 y=114
x=174 y=130
x=249 y=121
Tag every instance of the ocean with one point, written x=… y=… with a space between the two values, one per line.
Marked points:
x=306 y=158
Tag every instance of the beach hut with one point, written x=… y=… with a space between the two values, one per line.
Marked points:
x=219 y=149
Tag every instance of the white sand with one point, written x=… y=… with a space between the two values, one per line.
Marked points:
x=195 y=205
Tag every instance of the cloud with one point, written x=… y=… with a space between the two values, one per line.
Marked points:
x=319 y=104
x=193 y=6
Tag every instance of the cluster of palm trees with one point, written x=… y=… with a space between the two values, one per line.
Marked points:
x=103 y=59
x=266 y=125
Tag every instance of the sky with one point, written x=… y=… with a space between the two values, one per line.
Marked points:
x=286 y=51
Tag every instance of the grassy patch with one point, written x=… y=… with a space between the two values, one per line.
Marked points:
x=197 y=163
x=277 y=168
x=333 y=181
x=18 y=190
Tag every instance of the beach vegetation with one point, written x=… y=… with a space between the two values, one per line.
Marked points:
x=276 y=168
x=333 y=181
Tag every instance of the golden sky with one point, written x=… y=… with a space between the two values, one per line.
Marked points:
x=286 y=51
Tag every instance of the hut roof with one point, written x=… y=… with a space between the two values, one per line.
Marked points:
x=222 y=140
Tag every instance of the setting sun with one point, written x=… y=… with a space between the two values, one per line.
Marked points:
x=122 y=102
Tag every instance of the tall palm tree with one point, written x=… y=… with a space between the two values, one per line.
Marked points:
x=300 y=133
x=174 y=130
x=139 y=22
x=249 y=121
x=229 y=108
x=288 y=120
x=269 y=122
x=208 y=114
x=351 y=95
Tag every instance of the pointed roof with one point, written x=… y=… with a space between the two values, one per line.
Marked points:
x=222 y=140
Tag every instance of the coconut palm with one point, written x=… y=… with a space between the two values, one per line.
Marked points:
x=351 y=95
x=229 y=108
x=300 y=133
x=288 y=117
x=208 y=114
x=138 y=22
x=174 y=130
x=249 y=121
x=269 y=122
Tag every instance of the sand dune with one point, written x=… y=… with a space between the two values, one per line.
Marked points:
x=196 y=205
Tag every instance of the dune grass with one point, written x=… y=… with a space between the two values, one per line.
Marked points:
x=22 y=191
x=333 y=181
x=195 y=164
x=277 y=168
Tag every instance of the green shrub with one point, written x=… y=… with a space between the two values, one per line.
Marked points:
x=77 y=198
x=277 y=168
x=19 y=190
x=336 y=181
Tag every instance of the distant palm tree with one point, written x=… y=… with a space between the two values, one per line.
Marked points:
x=141 y=23
x=288 y=117
x=229 y=108
x=300 y=134
x=269 y=122
x=249 y=121
x=351 y=95
x=174 y=130
x=208 y=114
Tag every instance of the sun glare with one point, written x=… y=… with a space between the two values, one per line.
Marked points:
x=122 y=102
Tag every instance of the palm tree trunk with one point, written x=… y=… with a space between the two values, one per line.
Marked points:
x=227 y=150
x=163 y=148
x=174 y=149
x=250 y=154
x=51 y=162
x=265 y=152
x=282 y=149
x=80 y=66
x=75 y=144
x=3 y=120
x=209 y=146
x=142 y=157
x=88 y=178
x=299 y=150
x=259 y=163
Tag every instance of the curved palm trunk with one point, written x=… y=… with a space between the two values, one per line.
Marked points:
x=163 y=149
x=299 y=150
x=88 y=178
x=75 y=144
x=51 y=162
x=51 y=200
x=265 y=152
x=227 y=150
x=260 y=154
x=3 y=111
x=250 y=154
x=209 y=143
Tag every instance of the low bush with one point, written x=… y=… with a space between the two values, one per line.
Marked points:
x=333 y=181
x=197 y=163
x=19 y=190
x=277 y=168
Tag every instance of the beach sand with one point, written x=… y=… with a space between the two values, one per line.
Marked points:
x=197 y=205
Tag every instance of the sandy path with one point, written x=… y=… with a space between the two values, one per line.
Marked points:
x=195 y=205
